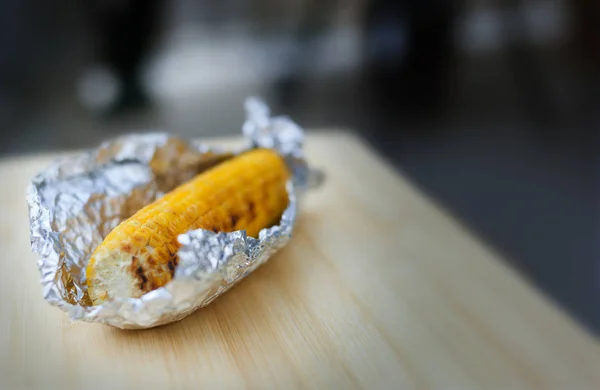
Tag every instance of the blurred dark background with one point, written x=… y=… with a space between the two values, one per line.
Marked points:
x=490 y=106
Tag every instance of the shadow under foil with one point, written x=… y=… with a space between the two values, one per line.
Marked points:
x=247 y=312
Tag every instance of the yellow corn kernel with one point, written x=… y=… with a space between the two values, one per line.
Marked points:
x=139 y=255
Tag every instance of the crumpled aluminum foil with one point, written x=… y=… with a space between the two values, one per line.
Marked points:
x=76 y=202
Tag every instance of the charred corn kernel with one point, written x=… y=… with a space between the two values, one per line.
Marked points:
x=140 y=254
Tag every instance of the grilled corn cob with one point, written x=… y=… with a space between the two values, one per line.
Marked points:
x=140 y=254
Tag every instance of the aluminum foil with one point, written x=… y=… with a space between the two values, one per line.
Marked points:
x=76 y=202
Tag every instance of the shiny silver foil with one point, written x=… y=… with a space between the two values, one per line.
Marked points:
x=76 y=202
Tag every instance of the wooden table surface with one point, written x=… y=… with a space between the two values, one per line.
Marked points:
x=378 y=289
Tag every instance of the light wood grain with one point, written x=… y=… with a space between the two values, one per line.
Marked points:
x=378 y=289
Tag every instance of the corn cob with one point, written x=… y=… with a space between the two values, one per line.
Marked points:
x=140 y=254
